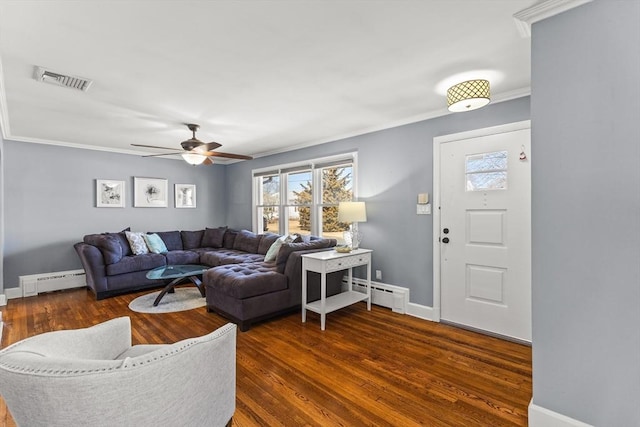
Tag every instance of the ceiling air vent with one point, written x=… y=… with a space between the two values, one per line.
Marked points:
x=48 y=76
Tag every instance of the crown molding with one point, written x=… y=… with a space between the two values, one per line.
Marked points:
x=543 y=10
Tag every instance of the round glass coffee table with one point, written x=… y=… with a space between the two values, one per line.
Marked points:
x=180 y=274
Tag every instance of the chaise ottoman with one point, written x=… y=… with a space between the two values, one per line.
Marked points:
x=246 y=293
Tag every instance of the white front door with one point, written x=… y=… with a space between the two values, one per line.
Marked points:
x=485 y=233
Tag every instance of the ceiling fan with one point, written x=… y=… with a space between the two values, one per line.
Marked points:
x=196 y=152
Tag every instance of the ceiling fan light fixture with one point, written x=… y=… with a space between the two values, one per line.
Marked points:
x=468 y=95
x=193 y=159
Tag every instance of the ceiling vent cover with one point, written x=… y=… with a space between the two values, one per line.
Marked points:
x=48 y=76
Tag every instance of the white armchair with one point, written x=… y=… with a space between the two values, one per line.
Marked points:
x=94 y=377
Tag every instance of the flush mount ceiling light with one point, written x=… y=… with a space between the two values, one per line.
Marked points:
x=469 y=95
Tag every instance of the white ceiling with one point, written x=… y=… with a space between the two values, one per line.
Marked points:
x=259 y=76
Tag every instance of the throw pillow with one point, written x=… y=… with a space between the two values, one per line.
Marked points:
x=272 y=253
x=213 y=237
x=229 y=238
x=266 y=240
x=191 y=239
x=155 y=243
x=247 y=241
x=108 y=245
x=294 y=238
x=137 y=243
x=172 y=239
x=122 y=239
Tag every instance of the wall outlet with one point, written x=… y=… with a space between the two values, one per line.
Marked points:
x=378 y=274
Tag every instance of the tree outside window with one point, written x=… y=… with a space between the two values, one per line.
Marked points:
x=336 y=187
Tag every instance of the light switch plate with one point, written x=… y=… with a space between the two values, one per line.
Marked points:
x=423 y=209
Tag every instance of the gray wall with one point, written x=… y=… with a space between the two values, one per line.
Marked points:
x=49 y=202
x=585 y=109
x=394 y=165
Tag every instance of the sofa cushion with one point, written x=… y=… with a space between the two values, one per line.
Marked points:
x=229 y=238
x=245 y=280
x=108 y=245
x=155 y=243
x=133 y=263
x=191 y=239
x=122 y=239
x=171 y=239
x=266 y=241
x=182 y=257
x=287 y=248
x=137 y=243
x=228 y=256
x=247 y=241
x=213 y=237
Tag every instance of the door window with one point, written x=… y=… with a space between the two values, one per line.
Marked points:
x=486 y=171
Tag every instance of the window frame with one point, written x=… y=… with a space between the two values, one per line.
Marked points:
x=315 y=167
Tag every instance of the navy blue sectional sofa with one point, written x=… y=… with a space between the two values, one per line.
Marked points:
x=240 y=285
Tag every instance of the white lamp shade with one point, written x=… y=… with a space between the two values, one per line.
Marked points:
x=352 y=212
x=193 y=159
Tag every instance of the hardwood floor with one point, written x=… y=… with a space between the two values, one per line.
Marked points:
x=373 y=368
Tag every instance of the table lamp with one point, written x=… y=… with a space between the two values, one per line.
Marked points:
x=353 y=213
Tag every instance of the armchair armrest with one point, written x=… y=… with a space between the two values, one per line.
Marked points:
x=104 y=341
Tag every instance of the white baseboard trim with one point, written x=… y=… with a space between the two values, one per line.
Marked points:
x=3 y=300
x=420 y=311
x=12 y=293
x=543 y=417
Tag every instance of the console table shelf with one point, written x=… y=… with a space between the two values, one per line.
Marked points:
x=336 y=302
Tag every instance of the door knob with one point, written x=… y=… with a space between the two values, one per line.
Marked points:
x=445 y=231
x=445 y=240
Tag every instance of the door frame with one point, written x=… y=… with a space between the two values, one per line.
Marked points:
x=437 y=141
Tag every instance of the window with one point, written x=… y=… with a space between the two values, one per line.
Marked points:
x=313 y=191
x=337 y=186
x=487 y=171
x=299 y=201
x=269 y=203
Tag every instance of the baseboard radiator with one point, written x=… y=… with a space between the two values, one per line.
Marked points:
x=394 y=297
x=35 y=284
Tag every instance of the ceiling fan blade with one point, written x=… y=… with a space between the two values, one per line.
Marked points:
x=207 y=161
x=207 y=146
x=228 y=155
x=153 y=146
x=163 y=154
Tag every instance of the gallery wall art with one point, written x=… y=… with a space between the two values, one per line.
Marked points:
x=185 y=195
x=150 y=192
x=109 y=193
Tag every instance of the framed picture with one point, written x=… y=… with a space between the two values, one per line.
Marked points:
x=149 y=192
x=109 y=193
x=185 y=195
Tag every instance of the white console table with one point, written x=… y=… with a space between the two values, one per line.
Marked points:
x=327 y=262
